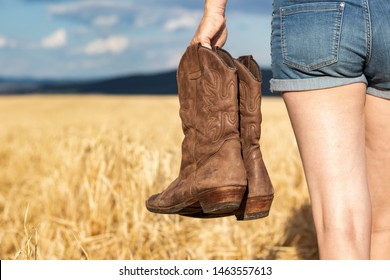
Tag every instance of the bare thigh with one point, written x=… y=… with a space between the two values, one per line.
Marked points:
x=329 y=125
x=378 y=166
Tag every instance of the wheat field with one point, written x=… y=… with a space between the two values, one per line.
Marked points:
x=75 y=172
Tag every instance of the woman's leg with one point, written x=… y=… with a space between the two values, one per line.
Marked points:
x=329 y=126
x=378 y=168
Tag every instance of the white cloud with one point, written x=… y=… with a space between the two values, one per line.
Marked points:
x=74 y=7
x=106 y=20
x=113 y=44
x=5 y=42
x=188 y=21
x=56 y=40
x=105 y=13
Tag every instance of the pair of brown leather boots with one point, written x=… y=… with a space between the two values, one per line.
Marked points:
x=222 y=171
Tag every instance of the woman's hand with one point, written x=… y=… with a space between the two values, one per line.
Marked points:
x=212 y=31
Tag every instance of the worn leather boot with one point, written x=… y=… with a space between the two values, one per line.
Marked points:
x=258 y=199
x=212 y=174
x=260 y=192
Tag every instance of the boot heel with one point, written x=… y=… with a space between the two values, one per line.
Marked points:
x=222 y=200
x=254 y=208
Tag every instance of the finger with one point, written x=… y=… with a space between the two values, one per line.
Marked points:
x=203 y=42
x=219 y=39
x=206 y=44
x=220 y=42
x=193 y=41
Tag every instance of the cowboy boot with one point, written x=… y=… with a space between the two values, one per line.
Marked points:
x=259 y=196
x=258 y=199
x=212 y=174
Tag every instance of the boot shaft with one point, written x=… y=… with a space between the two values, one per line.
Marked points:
x=249 y=76
x=208 y=87
x=250 y=103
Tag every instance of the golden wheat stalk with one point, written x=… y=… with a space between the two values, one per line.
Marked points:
x=84 y=166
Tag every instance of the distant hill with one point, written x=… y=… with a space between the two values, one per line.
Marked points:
x=155 y=84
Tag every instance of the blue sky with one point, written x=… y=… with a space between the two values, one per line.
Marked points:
x=104 y=38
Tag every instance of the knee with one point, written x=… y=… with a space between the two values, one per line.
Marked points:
x=352 y=223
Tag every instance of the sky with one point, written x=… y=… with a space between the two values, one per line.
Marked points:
x=89 y=39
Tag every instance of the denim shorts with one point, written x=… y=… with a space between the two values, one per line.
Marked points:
x=318 y=44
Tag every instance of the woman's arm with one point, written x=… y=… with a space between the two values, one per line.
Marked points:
x=212 y=30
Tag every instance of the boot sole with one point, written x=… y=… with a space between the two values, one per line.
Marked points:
x=250 y=209
x=216 y=201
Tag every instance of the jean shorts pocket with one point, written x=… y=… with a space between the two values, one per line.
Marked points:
x=311 y=34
